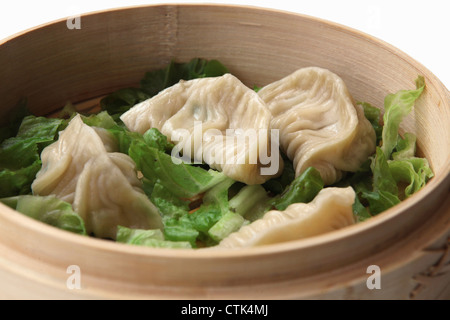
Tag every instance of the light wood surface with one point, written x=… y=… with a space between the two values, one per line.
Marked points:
x=52 y=65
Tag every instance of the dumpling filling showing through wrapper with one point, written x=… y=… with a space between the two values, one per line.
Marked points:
x=221 y=121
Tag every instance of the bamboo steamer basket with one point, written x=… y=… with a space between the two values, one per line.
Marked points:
x=52 y=64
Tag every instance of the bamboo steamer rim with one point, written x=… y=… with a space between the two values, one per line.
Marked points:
x=427 y=74
x=358 y=228
x=436 y=182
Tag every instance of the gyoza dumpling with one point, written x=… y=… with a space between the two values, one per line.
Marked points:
x=102 y=186
x=319 y=124
x=221 y=121
x=330 y=210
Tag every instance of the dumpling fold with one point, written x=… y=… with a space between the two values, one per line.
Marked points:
x=319 y=124
x=330 y=210
x=102 y=186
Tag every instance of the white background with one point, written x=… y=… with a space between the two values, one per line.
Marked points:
x=420 y=28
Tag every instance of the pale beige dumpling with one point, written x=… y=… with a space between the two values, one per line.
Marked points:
x=102 y=186
x=330 y=210
x=319 y=124
x=218 y=121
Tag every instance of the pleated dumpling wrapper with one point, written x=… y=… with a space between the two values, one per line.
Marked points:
x=330 y=210
x=219 y=121
x=102 y=186
x=319 y=124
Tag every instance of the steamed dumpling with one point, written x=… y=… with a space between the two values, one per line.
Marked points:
x=221 y=121
x=102 y=186
x=318 y=122
x=330 y=210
